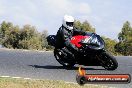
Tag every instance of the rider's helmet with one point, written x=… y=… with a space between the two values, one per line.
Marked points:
x=68 y=22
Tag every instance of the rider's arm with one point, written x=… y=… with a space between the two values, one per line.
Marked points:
x=67 y=42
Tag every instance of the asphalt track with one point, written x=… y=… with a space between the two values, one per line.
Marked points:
x=42 y=65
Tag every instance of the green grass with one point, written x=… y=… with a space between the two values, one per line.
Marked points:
x=28 y=83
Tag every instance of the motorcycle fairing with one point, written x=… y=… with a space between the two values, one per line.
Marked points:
x=76 y=39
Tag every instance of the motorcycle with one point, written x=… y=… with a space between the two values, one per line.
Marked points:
x=93 y=52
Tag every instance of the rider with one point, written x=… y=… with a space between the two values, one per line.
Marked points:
x=65 y=33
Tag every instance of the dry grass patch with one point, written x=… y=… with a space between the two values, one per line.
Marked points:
x=27 y=83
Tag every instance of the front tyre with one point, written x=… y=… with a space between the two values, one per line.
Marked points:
x=108 y=61
x=62 y=59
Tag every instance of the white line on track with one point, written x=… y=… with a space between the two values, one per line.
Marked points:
x=14 y=77
x=5 y=76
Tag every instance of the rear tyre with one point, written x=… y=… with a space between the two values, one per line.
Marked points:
x=108 y=61
x=62 y=59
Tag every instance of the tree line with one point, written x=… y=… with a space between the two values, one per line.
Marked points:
x=27 y=37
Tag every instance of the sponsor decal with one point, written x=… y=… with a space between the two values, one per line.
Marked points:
x=83 y=78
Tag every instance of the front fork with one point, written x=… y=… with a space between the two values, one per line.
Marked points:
x=99 y=54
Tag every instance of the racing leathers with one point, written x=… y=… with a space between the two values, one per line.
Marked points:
x=64 y=36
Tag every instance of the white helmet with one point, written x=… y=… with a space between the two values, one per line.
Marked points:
x=68 y=22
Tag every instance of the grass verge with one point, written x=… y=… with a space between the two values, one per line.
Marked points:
x=28 y=83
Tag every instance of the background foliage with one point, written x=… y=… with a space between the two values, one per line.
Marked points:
x=27 y=37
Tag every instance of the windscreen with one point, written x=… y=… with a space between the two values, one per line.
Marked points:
x=95 y=41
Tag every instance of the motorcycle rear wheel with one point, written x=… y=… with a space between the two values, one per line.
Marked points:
x=62 y=59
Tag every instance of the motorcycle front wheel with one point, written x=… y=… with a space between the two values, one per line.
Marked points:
x=108 y=61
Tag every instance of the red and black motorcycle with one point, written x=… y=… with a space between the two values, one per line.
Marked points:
x=93 y=52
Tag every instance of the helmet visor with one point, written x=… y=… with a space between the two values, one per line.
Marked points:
x=69 y=24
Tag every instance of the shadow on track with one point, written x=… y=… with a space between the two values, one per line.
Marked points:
x=61 y=67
